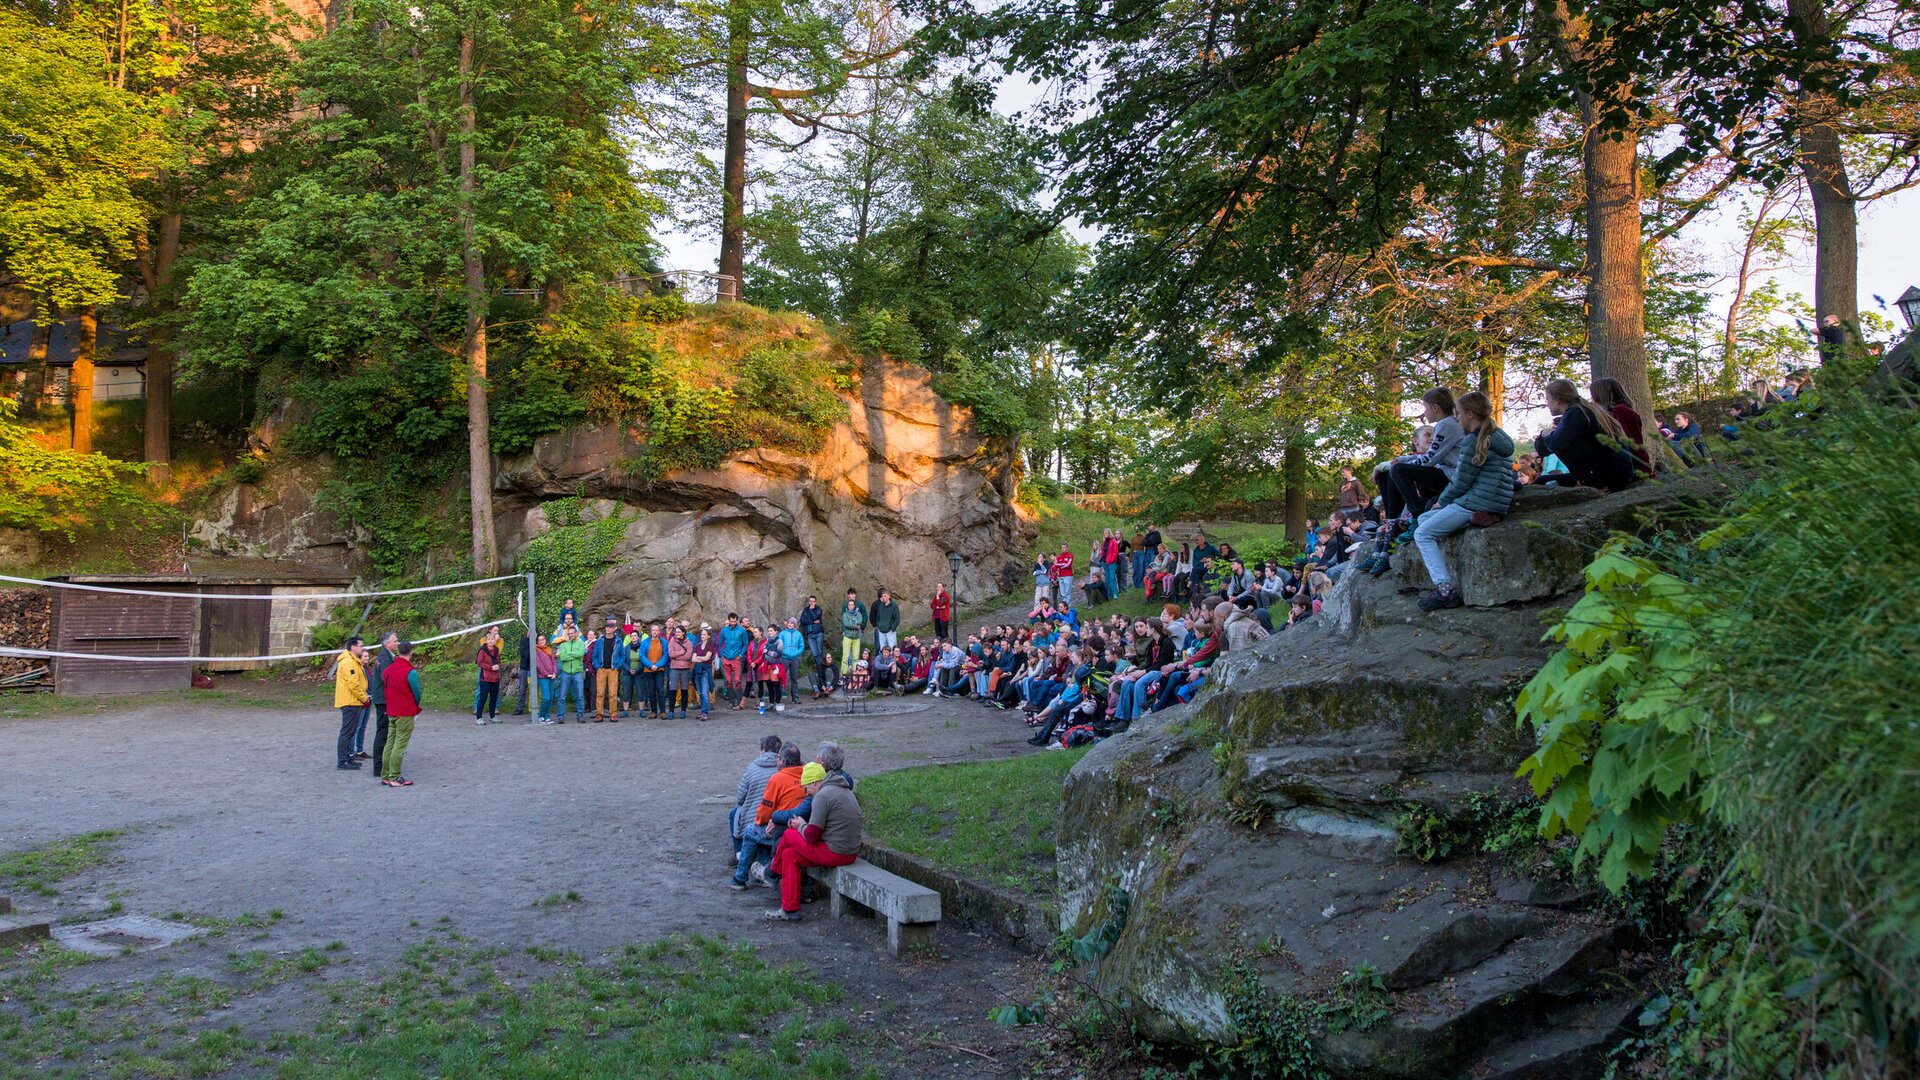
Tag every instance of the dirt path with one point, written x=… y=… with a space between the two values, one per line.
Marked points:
x=238 y=809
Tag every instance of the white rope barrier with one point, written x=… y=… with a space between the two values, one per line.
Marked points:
x=263 y=596
x=8 y=650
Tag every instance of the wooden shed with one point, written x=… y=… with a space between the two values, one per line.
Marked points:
x=281 y=606
x=124 y=624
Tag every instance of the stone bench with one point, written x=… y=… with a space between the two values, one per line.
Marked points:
x=912 y=911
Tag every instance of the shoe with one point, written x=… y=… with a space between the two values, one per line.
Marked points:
x=758 y=874
x=623 y=712
x=683 y=715
x=403 y=782
x=479 y=721
x=1441 y=598
x=493 y=718
x=703 y=718
x=348 y=764
x=599 y=719
x=779 y=708
x=546 y=720
x=1381 y=564
x=777 y=915
x=389 y=783
x=736 y=886
x=1037 y=740
x=361 y=755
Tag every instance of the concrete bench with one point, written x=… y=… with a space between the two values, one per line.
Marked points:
x=912 y=911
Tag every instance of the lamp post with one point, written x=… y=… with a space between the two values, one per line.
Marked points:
x=1909 y=305
x=953 y=563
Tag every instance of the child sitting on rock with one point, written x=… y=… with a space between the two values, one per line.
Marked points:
x=1482 y=488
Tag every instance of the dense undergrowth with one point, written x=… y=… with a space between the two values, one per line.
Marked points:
x=1744 y=697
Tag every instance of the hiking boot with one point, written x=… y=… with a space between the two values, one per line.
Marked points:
x=777 y=915
x=1446 y=596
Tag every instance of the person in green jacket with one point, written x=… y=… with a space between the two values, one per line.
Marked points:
x=1482 y=484
x=853 y=623
x=885 y=617
x=572 y=655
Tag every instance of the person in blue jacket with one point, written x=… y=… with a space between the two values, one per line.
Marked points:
x=734 y=639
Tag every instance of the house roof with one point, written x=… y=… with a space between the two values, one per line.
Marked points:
x=116 y=348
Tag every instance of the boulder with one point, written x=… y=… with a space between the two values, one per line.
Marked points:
x=894 y=489
x=1258 y=829
x=281 y=518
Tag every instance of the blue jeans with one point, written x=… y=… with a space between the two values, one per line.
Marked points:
x=1436 y=523
x=703 y=686
x=573 y=687
x=1134 y=699
x=754 y=844
x=1140 y=560
x=547 y=688
x=733 y=812
x=1112 y=573
x=360 y=730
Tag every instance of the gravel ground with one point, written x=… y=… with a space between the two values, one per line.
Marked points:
x=234 y=809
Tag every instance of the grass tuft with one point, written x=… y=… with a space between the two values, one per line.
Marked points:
x=36 y=870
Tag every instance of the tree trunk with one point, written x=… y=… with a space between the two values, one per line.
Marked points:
x=1836 y=244
x=1388 y=388
x=158 y=448
x=1616 y=280
x=733 y=172
x=1293 y=483
x=1742 y=282
x=34 y=392
x=486 y=551
x=1493 y=372
x=80 y=380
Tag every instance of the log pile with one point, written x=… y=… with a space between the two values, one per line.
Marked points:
x=25 y=623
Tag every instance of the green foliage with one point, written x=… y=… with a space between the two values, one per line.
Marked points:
x=63 y=493
x=1615 y=714
x=1102 y=936
x=1759 y=685
x=1360 y=1000
x=1272 y=1032
x=532 y=400
x=664 y=308
x=569 y=558
x=885 y=330
x=1491 y=823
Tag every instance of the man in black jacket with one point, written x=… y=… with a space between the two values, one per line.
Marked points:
x=813 y=627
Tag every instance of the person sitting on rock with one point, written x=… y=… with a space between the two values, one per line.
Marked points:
x=1688 y=440
x=1611 y=396
x=1588 y=441
x=885 y=666
x=1243 y=626
x=1481 y=486
x=1415 y=480
x=830 y=837
x=917 y=678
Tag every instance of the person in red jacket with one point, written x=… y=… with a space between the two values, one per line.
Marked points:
x=942 y=605
x=402 y=684
x=1611 y=396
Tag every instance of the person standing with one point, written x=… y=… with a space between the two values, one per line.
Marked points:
x=773 y=670
x=793 y=645
x=813 y=627
x=655 y=662
x=853 y=624
x=571 y=654
x=942 y=605
x=734 y=640
x=885 y=616
x=486 y=695
x=547 y=669
x=526 y=675
x=1063 y=576
x=350 y=697
x=402 y=684
x=377 y=691
x=679 y=673
x=705 y=649
x=1146 y=547
x=609 y=653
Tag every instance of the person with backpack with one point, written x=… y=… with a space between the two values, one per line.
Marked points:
x=402 y=683
x=351 y=698
x=1482 y=488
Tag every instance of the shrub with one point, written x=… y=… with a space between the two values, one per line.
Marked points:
x=63 y=492
x=885 y=330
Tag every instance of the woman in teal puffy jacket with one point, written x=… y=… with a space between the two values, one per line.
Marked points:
x=1482 y=484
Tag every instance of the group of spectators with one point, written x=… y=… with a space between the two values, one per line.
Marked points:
x=671 y=667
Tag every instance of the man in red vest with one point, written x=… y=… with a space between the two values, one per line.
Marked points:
x=402 y=684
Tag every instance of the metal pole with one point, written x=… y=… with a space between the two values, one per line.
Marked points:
x=533 y=620
x=953 y=627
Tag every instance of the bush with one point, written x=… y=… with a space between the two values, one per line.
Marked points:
x=998 y=409
x=63 y=492
x=664 y=308
x=1760 y=681
x=884 y=330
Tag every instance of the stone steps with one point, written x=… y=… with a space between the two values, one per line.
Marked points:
x=16 y=931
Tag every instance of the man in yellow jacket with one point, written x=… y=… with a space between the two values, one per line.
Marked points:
x=350 y=697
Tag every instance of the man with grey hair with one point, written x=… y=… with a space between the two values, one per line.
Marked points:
x=834 y=760
x=751 y=789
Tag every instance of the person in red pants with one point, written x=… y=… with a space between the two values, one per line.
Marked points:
x=831 y=836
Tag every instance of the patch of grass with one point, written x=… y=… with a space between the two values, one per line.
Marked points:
x=993 y=820
x=554 y=900
x=37 y=869
x=683 y=1007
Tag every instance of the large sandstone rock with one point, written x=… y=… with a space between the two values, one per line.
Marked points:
x=895 y=489
x=1260 y=826
x=281 y=518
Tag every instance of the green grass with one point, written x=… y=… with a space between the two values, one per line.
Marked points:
x=36 y=870
x=993 y=820
x=682 y=1007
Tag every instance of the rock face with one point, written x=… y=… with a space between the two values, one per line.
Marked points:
x=1258 y=830
x=897 y=487
x=281 y=518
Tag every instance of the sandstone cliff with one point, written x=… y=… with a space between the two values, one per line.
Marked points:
x=1259 y=829
x=899 y=485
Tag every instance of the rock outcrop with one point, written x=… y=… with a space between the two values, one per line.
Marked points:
x=895 y=489
x=1258 y=830
x=280 y=517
